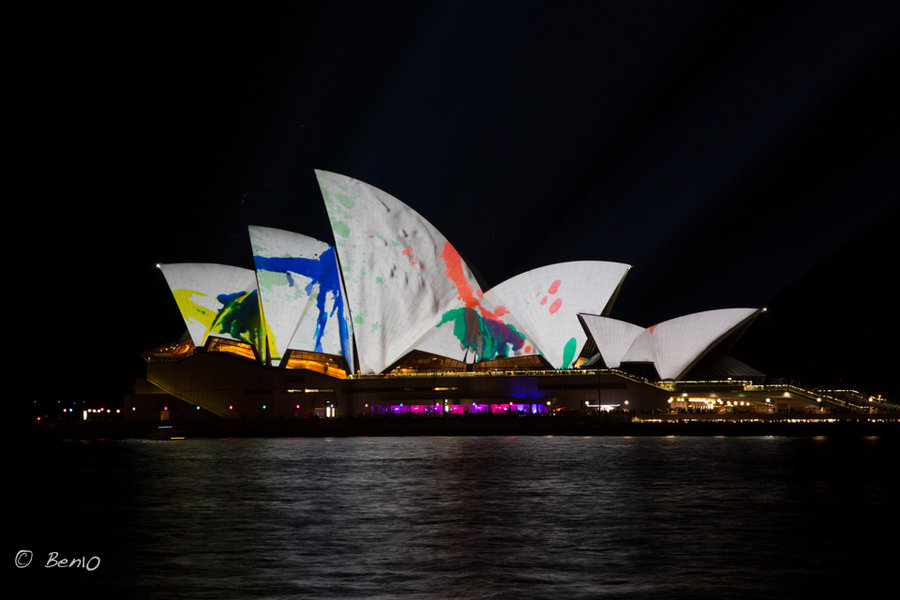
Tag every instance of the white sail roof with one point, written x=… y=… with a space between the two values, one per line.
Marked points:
x=404 y=280
x=547 y=300
x=400 y=273
x=641 y=350
x=614 y=338
x=673 y=346
x=680 y=342
x=217 y=300
x=301 y=294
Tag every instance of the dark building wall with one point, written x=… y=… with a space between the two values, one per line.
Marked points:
x=233 y=387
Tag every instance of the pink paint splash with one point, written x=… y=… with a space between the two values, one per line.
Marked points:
x=554 y=287
x=412 y=260
x=544 y=300
x=652 y=327
x=555 y=306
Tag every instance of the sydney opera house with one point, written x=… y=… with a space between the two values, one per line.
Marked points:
x=390 y=319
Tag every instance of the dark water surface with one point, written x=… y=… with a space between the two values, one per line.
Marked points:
x=461 y=517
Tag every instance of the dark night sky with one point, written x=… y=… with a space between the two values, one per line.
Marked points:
x=736 y=154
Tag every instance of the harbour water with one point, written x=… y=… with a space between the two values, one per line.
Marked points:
x=458 y=517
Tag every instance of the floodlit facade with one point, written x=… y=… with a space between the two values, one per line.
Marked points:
x=392 y=297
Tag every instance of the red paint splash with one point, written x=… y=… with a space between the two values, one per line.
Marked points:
x=554 y=287
x=500 y=311
x=544 y=300
x=407 y=250
x=456 y=273
x=651 y=328
x=527 y=349
x=555 y=306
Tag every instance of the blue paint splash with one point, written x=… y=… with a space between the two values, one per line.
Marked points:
x=323 y=272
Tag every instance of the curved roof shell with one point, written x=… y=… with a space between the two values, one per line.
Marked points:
x=679 y=343
x=547 y=301
x=614 y=338
x=217 y=300
x=404 y=278
x=673 y=346
x=393 y=284
x=301 y=294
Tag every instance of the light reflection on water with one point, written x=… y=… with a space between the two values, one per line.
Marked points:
x=493 y=517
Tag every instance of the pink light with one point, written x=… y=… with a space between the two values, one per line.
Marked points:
x=555 y=306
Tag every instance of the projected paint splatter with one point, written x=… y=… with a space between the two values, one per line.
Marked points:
x=476 y=328
x=238 y=317
x=408 y=252
x=322 y=272
x=569 y=353
x=486 y=338
x=554 y=287
x=555 y=306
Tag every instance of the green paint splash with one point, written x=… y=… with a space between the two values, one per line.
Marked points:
x=340 y=228
x=239 y=316
x=487 y=338
x=569 y=353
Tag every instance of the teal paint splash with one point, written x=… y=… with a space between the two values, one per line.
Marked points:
x=239 y=317
x=569 y=353
x=487 y=338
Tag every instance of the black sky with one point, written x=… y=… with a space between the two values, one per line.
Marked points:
x=736 y=154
